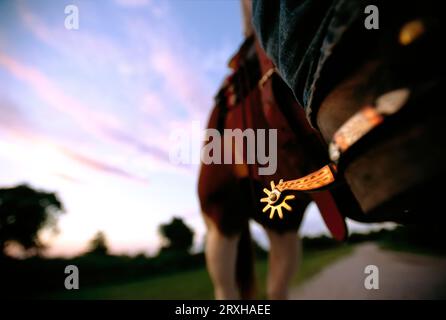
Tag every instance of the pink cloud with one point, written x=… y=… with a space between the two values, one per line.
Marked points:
x=165 y=54
x=101 y=166
x=170 y=56
x=10 y=114
x=103 y=125
x=46 y=89
x=180 y=81
x=152 y=104
x=183 y=80
x=176 y=62
x=83 y=47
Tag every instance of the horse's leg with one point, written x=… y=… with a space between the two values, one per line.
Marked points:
x=284 y=256
x=221 y=257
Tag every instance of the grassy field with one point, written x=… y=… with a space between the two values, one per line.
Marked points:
x=195 y=284
x=404 y=247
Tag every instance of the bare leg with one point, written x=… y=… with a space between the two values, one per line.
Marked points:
x=221 y=257
x=284 y=256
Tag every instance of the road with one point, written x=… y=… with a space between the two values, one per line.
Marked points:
x=401 y=276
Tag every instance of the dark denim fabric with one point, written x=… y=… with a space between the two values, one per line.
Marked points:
x=299 y=36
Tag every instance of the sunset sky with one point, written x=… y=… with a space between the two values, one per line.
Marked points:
x=88 y=113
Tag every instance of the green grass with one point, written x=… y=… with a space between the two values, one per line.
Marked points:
x=313 y=262
x=193 y=284
x=196 y=284
x=410 y=248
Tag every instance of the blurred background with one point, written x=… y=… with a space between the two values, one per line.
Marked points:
x=85 y=120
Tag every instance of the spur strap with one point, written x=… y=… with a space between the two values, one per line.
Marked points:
x=365 y=120
x=315 y=180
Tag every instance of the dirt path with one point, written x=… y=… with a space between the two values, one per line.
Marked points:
x=401 y=276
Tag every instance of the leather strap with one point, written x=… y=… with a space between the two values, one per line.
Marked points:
x=365 y=120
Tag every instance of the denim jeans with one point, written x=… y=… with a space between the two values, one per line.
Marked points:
x=299 y=36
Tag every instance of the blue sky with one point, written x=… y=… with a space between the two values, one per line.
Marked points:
x=87 y=113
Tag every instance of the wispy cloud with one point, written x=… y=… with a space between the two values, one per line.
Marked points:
x=160 y=154
x=11 y=115
x=101 y=166
x=95 y=107
x=103 y=126
x=25 y=143
x=177 y=63
x=88 y=46
x=85 y=116
x=162 y=52
x=192 y=90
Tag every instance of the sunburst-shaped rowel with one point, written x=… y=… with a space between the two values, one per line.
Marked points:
x=272 y=201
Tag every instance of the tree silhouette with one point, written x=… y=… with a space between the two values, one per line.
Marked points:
x=23 y=213
x=178 y=236
x=98 y=245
